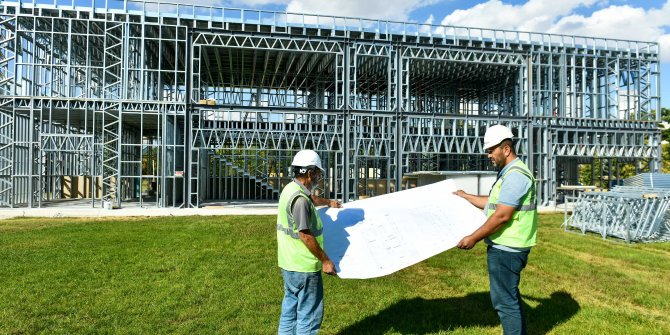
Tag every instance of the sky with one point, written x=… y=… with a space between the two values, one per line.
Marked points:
x=642 y=20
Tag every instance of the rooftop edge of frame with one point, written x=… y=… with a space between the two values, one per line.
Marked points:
x=381 y=29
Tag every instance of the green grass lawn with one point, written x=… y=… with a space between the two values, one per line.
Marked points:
x=204 y=275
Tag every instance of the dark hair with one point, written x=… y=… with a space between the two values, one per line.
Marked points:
x=508 y=142
x=301 y=171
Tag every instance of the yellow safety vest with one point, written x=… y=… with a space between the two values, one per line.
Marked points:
x=292 y=254
x=521 y=230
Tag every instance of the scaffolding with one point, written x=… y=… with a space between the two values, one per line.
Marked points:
x=175 y=105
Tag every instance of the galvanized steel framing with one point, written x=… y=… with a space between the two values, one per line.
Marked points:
x=201 y=103
x=633 y=214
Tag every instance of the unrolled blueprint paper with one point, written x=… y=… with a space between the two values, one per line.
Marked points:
x=377 y=236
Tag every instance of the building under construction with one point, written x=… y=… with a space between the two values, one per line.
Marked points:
x=164 y=104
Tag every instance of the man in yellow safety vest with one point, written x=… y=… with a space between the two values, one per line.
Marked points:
x=300 y=247
x=511 y=228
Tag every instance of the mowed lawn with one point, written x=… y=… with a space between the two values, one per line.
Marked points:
x=218 y=275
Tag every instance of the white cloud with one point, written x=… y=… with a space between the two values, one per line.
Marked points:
x=224 y=3
x=394 y=10
x=256 y=3
x=534 y=15
x=622 y=22
x=427 y=25
x=665 y=48
x=430 y=19
x=552 y=16
x=170 y=6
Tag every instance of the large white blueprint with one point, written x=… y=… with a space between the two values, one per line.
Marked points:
x=377 y=236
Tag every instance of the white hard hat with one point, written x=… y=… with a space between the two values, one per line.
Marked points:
x=496 y=134
x=305 y=158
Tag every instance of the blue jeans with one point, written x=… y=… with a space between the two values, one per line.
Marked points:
x=302 y=308
x=504 y=276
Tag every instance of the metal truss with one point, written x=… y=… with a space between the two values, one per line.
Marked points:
x=8 y=55
x=6 y=152
x=111 y=115
x=633 y=214
x=7 y=76
x=175 y=105
x=604 y=143
x=468 y=56
x=261 y=42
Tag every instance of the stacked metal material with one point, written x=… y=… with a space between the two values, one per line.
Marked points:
x=634 y=214
x=654 y=180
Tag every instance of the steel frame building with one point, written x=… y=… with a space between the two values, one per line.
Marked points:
x=168 y=104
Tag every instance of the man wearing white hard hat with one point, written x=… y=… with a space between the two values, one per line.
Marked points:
x=300 y=247
x=511 y=228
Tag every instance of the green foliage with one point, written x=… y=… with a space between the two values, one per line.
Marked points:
x=585 y=173
x=628 y=170
x=625 y=171
x=665 y=137
x=665 y=160
x=665 y=130
x=218 y=275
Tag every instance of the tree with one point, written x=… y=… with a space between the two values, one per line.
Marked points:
x=665 y=139
x=626 y=170
x=665 y=157
x=665 y=124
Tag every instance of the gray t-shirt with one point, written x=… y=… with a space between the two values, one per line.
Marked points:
x=513 y=189
x=301 y=209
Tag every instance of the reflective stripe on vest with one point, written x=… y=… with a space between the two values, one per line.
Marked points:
x=521 y=230
x=533 y=194
x=292 y=230
x=288 y=231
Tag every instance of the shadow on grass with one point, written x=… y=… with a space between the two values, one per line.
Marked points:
x=421 y=316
